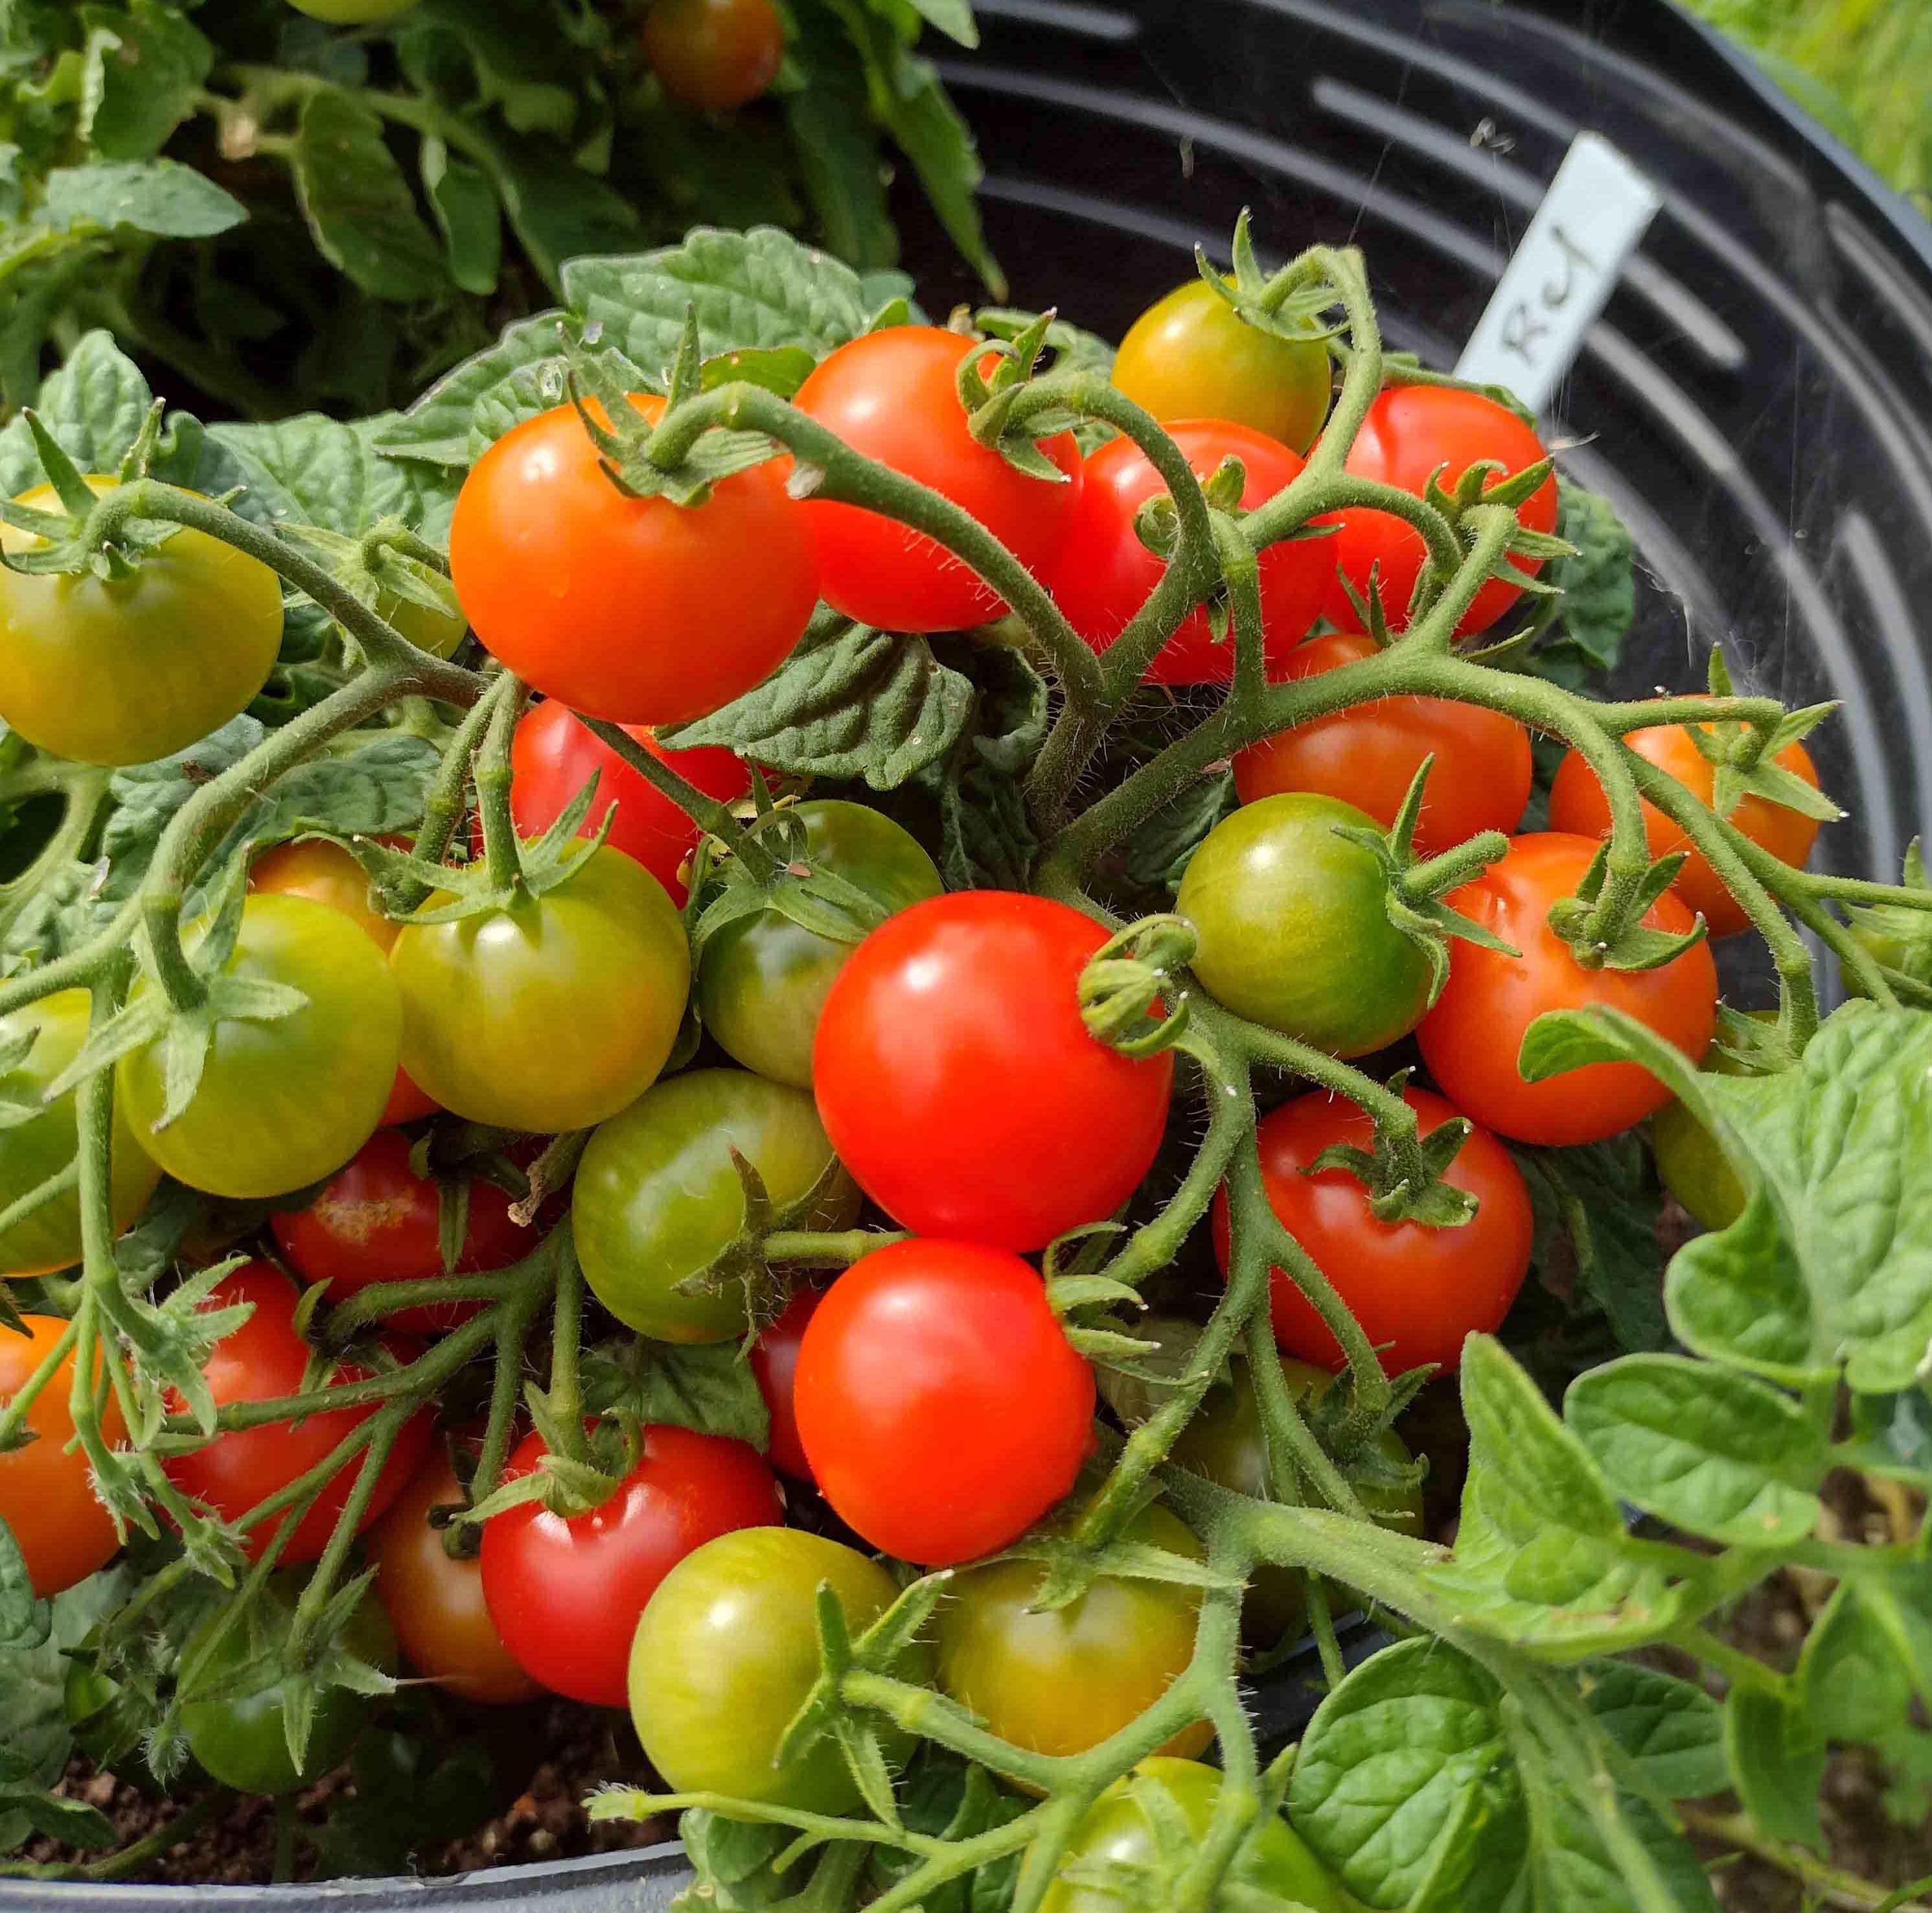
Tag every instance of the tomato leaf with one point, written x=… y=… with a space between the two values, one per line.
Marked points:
x=1156 y=855
x=25 y=1620
x=358 y=202
x=759 y=288
x=850 y=703
x=465 y=206
x=162 y=197
x=1868 y=1656
x=1830 y=1265
x=145 y=65
x=707 y=1386
x=838 y=145
x=1542 y=1556
x=1778 y=1762
x=1710 y=1451
x=1670 y=1729
x=312 y=471
x=437 y=428
x=1598 y=585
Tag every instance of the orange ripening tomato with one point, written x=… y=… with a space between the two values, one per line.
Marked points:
x=1576 y=803
x=1368 y=755
x=636 y=609
x=46 y=1489
x=1472 y=1038
x=714 y=54
x=1410 y=430
x=325 y=873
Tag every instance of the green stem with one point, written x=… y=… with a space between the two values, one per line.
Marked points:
x=566 y=1388
x=812 y=1248
x=1828 y=1886
x=708 y=813
x=502 y=858
x=443 y=807
x=171 y=1832
x=1292 y=1448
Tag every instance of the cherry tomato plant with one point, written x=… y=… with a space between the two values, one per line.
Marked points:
x=1134 y=1036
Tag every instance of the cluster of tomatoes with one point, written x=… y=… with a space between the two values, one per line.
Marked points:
x=939 y=1070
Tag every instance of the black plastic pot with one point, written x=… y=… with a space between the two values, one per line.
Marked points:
x=1757 y=399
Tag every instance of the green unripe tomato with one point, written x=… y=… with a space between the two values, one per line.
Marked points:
x=763 y=980
x=1690 y=1159
x=239 y=1736
x=352 y=13
x=439 y=632
x=726 y=1653
x=1225 y=1443
x=1118 y=1831
x=44 y=1144
x=1191 y=356
x=657 y=1198
x=1294 y=928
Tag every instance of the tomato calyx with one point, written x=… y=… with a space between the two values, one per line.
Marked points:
x=1898 y=937
x=830 y=1713
x=1744 y=756
x=1132 y=975
x=1404 y=1175
x=1074 y=1565
x=991 y=403
x=382 y=564
x=1288 y=303
x=637 y=456
x=1416 y=886
x=1626 y=944
x=1485 y=486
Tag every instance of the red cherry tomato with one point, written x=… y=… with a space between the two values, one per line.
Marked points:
x=943 y=1408
x=959 y=1086
x=635 y=609
x=1105 y=572
x=263 y=1358
x=1369 y=756
x=715 y=54
x=1417 y=1291
x=1411 y=431
x=1576 y=803
x=376 y=1220
x=892 y=396
x=774 y=1359
x=565 y=1594
x=1472 y=1038
x=552 y=758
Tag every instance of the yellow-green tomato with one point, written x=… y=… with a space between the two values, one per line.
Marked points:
x=658 y=1198
x=1122 y=1829
x=122 y=670
x=284 y=1102
x=438 y=632
x=44 y=1144
x=1191 y=356
x=763 y=980
x=352 y=13
x=727 y=1650
x=1294 y=928
x=1690 y=1159
x=554 y=1014
x=1060 y=1681
x=1225 y=1443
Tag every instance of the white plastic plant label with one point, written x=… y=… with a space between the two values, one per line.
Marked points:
x=1597 y=209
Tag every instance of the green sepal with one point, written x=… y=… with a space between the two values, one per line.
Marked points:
x=1899 y=937
x=1394 y=1192
x=1072 y=1567
x=1136 y=973
x=367 y=569
x=1371 y=614
x=1635 y=946
x=989 y=403
x=72 y=547
x=1269 y=303
x=816 y=898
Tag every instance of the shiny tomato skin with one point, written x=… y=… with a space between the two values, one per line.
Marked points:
x=1368 y=756
x=564 y=1594
x=774 y=1360
x=1417 y=1291
x=552 y=758
x=891 y=396
x=1191 y=356
x=635 y=609
x=325 y=873
x=727 y=1652
x=262 y=1359
x=45 y=1144
x=960 y=1087
x=1105 y=572
x=123 y=671
x=1059 y=1681
x=1471 y=1039
x=376 y=1220
x=1577 y=803
x=1409 y=431
x=1117 y=1830
x=763 y=979
x=281 y=1104
x=46 y=1491
x=658 y=1200
x=435 y=1602
x=1294 y=926
x=714 y=54
x=941 y=1408
x=552 y=1014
